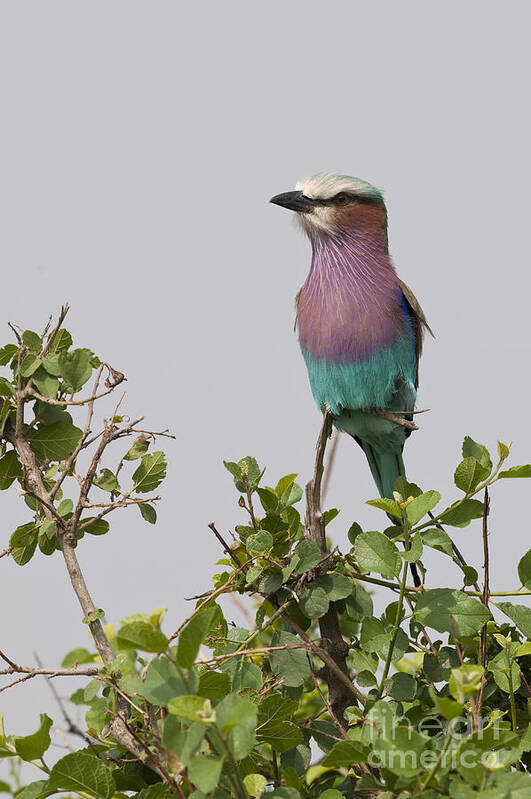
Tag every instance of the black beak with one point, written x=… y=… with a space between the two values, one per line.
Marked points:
x=295 y=201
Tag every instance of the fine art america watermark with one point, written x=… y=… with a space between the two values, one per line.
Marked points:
x=448 y=753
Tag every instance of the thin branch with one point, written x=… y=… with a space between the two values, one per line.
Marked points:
x=228 y=551
x=484 y=598
x=212 y=595
x=395 y=418
x=334 y=649
x=4 y=552
x=61 y=318
x=457 y=553
x=71 y=726
x=260 y=650
x=332 y=449
x=314 y=517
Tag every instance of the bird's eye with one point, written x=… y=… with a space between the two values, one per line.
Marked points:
x=342 y=198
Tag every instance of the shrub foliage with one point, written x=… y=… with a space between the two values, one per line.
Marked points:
x=317 y=696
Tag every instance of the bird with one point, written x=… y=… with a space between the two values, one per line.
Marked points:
x=360 y=327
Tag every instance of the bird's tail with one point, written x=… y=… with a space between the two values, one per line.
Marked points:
x=385 y=468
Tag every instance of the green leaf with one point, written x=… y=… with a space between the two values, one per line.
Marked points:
x=243 y=674
x=47 y=537
x=236 y=718
x=291 y=495
x=193 y=635
x=524 y=569
x=420 y=506
x=150 y=473
x=61 y=341
x=329 y=515
x=359 y=603
x=335 y=585
x=402 y=687
x=30 y=363
x=305 y=556
x=275 y=707
x=415 y=549
x=10 y=469
x=163 y=682
x=75 y=368
x=314 y=601
x=82 y=772
x=435 y=607
x=291 y=664
x=204 y=771
x=54 y=442
x=96 y=614
x=192 y=707
x=464 y=680
x=375 y=552
x=281 y=735
x=183 y=740
x=461 y=514
x=7 y=389
x=353 y=532
x=138 y=449
x=345 y=753
x=76 y=656
x=284 y=483
x=160 y=790
x=388 y=505
x=33 y=747
x=95 y=526
x=520 y=614
x=35 y=790
x=438 y=539
x=107 y=481
x=262 y=541
x=268 y=499
x=46 y=385
x=23 y=543
x=214 y=684
x=400 y=750
x=255 y=784
x=469 y=473
x=141 y=635
x=499 y=668
x=148 y=512
x=517 y=471
x=471 y=449
x=7 y=353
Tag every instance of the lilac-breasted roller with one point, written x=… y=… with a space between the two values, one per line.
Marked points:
x=360 y=327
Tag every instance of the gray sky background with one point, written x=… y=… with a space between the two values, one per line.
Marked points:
x=140 y=143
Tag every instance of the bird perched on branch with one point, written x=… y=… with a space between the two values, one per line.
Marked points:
x=360 y=327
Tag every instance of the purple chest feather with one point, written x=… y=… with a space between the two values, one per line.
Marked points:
x=351 y=303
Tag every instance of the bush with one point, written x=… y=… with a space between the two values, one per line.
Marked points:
x=320 y=697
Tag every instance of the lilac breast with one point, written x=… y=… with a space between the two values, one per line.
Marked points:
x=351 y=303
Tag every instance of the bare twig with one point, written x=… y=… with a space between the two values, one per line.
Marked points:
x=332 y=449
x=391 y=416
x=314 y=518
x=60 y=319
x=71 y=726
x=226 y=548
x=4 y=552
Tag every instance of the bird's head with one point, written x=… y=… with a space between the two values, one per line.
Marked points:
x=328 y=203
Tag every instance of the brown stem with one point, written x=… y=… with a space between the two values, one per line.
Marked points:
x=340 y=691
